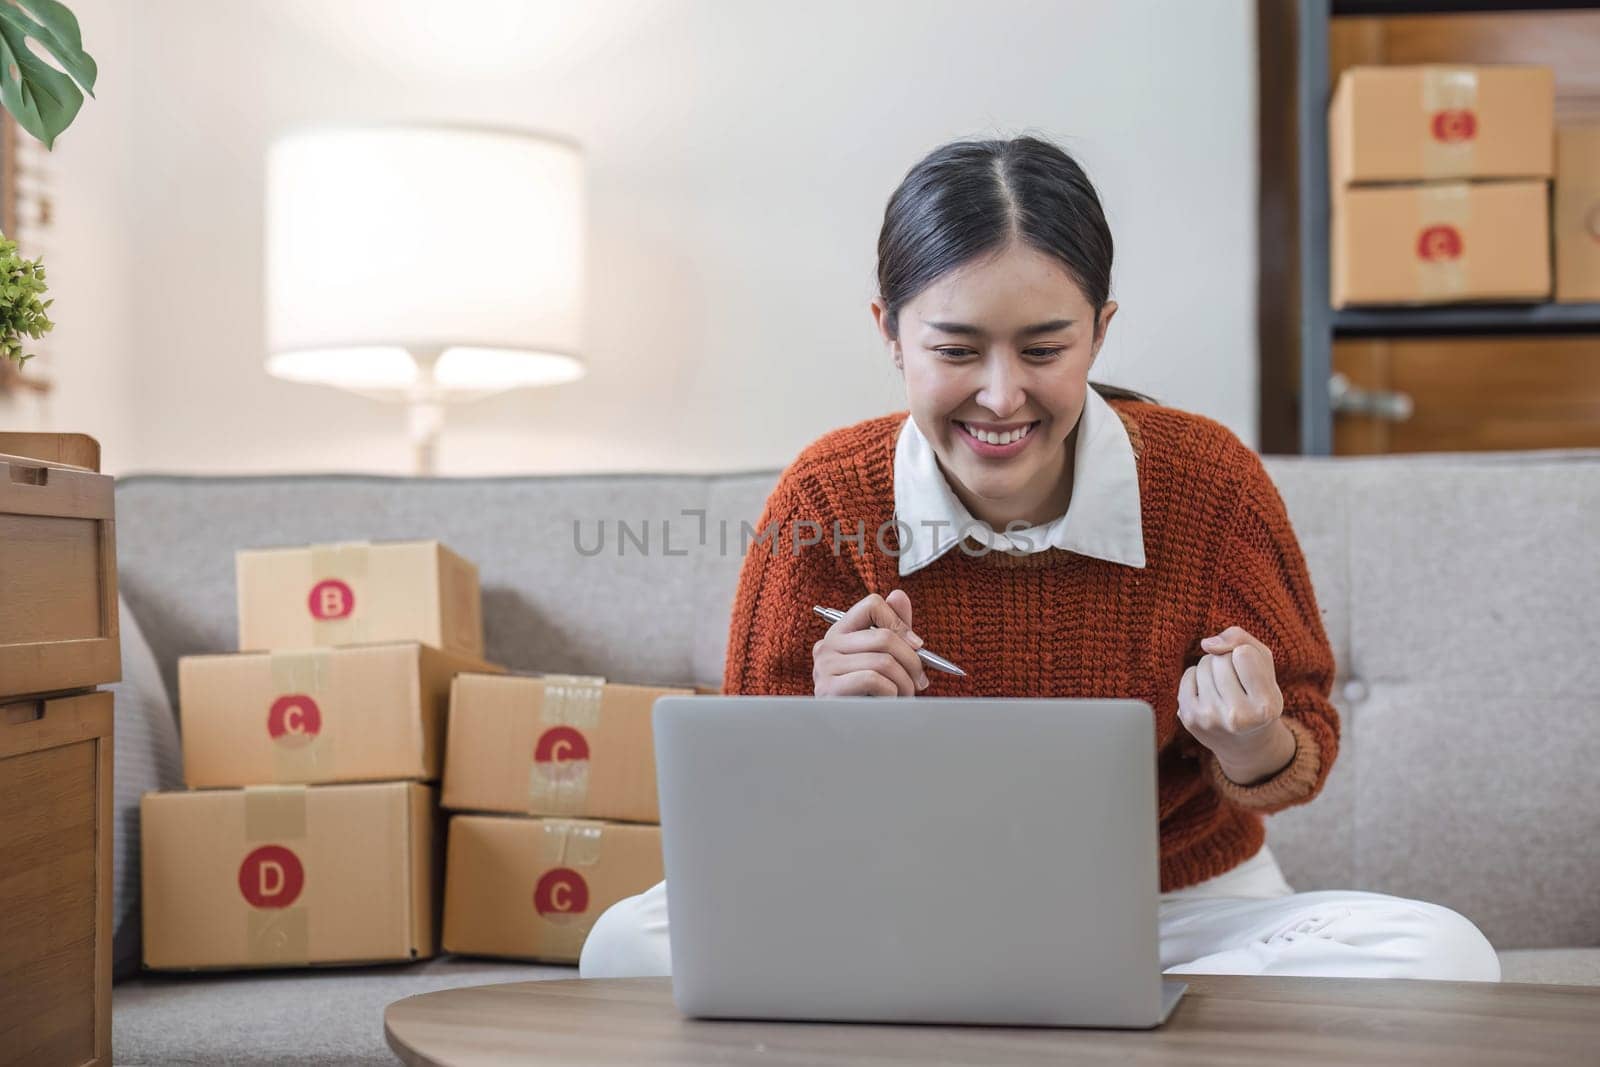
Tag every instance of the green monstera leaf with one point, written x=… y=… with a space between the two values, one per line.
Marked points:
x=43 y=99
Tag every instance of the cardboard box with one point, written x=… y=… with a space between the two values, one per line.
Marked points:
x=286 y=876
x=1427 y=123
x=1577 y=214
x=1430 y=244
x=553 y=745
x=356 y=593
x=58 y=573
x=532 y=888
x=360 y=713
x=55 y=879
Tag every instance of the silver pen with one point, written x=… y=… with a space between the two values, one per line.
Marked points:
x=936 y=662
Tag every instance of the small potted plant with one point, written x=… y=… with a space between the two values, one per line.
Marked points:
x=22 y=313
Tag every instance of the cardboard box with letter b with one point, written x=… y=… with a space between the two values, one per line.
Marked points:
x=358 y=592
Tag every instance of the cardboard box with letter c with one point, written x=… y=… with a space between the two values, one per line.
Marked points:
x=529 y=888
x=557 y=744
x=1437 y=243
x=1441 y=123
x=360 y=713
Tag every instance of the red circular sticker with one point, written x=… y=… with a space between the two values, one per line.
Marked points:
x=560 y=744
x=294 y=719
x=1440 y=242
x=561 y=891
x=271 y=877
x=331 y=599
x=1454 y=125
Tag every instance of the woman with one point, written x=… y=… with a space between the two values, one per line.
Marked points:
x=1066 y=540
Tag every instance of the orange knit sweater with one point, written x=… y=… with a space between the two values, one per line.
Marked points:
x=1219 y=551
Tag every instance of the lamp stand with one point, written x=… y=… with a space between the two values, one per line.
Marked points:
x=425 y=413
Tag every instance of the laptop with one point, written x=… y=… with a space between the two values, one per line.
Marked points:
x=928 y=860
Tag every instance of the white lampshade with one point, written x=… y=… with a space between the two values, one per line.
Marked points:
x=389 y=244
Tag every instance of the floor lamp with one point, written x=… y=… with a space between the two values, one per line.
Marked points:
x=427 y=265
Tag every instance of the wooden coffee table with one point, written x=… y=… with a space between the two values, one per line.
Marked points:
x=1221 y=1020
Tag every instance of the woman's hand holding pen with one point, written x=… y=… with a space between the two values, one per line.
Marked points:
x=1230 y=702
x=872 y=651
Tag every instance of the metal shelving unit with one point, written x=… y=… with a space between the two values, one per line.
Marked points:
x=1467 y=319
x=1319 y=324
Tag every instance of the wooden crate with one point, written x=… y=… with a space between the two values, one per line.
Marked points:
x=55 y=879
x=58 y=577
x=69 y=449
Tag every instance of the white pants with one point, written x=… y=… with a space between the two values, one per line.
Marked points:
x=1243 y=921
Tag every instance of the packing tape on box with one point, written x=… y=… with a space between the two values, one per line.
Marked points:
x=1450 y=103
x=347 y=562
x=276 y=815
x=1441 y=256
x=557 y=784
x=302 y=746
x=279 y=935
x=573 y=700
x=570 y=844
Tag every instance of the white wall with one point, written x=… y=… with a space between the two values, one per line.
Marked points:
x=739 y=158
x=89 y=358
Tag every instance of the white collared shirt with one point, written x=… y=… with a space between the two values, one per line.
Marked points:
x=1102 y=520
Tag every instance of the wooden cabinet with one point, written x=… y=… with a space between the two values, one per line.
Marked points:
x=58 y=638
x=1471 y=394
x=55 y=879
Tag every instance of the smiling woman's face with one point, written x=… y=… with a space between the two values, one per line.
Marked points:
x=996 y=358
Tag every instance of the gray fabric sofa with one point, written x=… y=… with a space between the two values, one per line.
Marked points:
x=1461 y=594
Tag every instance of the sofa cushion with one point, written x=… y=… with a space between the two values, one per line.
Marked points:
x=1467 y=743
x=146 y=756
x=732 y=502
x=322 y=1016
x=1552 y=966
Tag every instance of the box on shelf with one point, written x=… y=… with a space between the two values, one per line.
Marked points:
x=552 y=745
x=1428 y=123
x=286 y=876
x=58 y=574
x=531 y=888
x=1440 y=243
x=1577 y=213
x=358 y=713
x=358 y=592
x=55 y=878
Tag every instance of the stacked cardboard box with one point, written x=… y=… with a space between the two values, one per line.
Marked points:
x=309 y=835
x=555 y=779
x=1577 y=213
x=1440 y=179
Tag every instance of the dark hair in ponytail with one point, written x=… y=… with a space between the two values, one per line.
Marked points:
x=970 y=198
